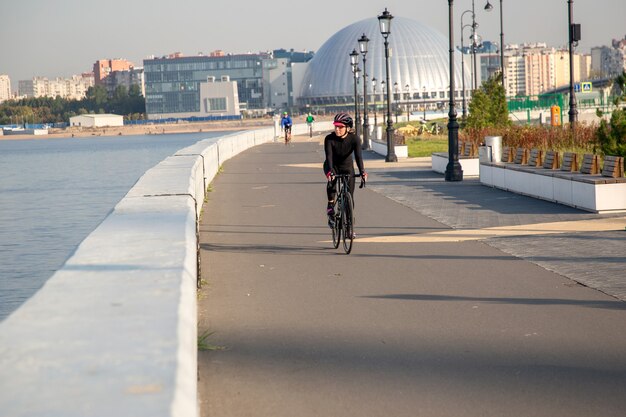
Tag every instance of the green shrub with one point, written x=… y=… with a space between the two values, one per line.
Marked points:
x=612 y=135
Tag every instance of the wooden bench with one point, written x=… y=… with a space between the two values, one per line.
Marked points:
x=507 y=154
x=535 y=158
x=570 y=162
x=590 y=164
x=585 y=189
x=551 y=161
x=613 y=166
x=469 y=149
x=521 y=156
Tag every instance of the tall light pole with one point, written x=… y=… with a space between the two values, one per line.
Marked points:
x=375 y=99
x=489 y=7
x=354 y=61
x=474 y=26
x=424 y=100
x=406 y=92
x=363 y=40
x=463 y=66
x=453 y=169
x=396 y=98
x=384 y=21
x=383 y=91
x=463 y=26
x=574 y=37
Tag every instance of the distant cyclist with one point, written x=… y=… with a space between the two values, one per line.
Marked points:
x=309 y=121
x=285 y=124
x=339 y=147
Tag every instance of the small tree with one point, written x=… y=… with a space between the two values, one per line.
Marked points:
x=488 y=107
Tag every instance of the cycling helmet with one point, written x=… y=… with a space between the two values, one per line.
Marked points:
x=285 y=113
x=343 y=119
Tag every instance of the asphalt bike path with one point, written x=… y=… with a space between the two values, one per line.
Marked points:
x=402 y=326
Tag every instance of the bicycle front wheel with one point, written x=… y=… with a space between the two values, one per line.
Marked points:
x=336 y=228
x=347 y=223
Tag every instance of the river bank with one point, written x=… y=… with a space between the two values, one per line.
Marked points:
x=155 y=129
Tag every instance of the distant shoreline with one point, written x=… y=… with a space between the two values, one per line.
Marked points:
x=155 y=129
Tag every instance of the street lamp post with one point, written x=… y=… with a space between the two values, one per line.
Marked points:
x=453 y=169
x=384 y=21
x=489 y=7
x=375 y=100
x=363 y=40
x=406 y=91
x=574 y=37
x=383 y=91
x=396 y=99
x=474 y=26
x=424 y=100
x=354 y=60
x=463 y=64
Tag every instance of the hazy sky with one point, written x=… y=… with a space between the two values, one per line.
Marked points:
x=65 y=37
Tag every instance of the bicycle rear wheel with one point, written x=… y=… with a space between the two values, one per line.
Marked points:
x=336 y=230
x=347 y=223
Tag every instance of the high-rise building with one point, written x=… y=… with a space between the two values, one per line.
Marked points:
x=5 y=88
x=532 y=69
x=103 y=67
x=112 y=73
x=609 y=61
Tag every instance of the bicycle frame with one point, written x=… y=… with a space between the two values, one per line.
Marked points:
x=344 y=213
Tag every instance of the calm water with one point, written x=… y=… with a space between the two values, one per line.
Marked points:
x=54 y=192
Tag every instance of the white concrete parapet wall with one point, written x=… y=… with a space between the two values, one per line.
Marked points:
x=114 y=331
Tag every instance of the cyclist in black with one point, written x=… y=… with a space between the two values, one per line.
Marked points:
x=339 y=147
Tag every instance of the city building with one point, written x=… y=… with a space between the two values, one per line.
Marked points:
x=112 y=73
x=532 y=69
x=73 y=88
x=104 y=67
x=609 y=61
x=419 y=67
x=173 y=82
x=5 y=88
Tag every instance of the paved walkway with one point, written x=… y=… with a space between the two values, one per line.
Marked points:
x=455 y=300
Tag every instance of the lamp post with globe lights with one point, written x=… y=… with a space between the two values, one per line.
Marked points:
x=363 y=41
x=354 y=61
x=384 y=20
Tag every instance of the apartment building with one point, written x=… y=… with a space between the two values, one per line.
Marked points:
x=5 y=88
x=112 y=73
x=532 y=69
x=104 y=67
x=74 y=87
x=609 y=61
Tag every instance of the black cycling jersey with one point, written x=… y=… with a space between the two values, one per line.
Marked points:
x=339 y=153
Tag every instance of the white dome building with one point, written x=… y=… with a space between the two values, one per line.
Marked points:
x=419 y=58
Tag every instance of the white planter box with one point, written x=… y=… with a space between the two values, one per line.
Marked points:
x=402 y=151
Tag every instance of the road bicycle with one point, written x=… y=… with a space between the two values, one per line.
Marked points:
x=287 y=134
x=342 y=224
x=310 y=129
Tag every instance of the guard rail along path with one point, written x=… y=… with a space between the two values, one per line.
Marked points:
x=114 y=331
x=532 y=173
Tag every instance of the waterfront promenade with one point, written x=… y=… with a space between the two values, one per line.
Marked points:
x=457 y=300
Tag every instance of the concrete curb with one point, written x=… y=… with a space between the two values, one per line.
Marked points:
x=114 y=331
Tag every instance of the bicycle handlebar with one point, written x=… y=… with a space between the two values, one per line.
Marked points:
x=346 y=176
